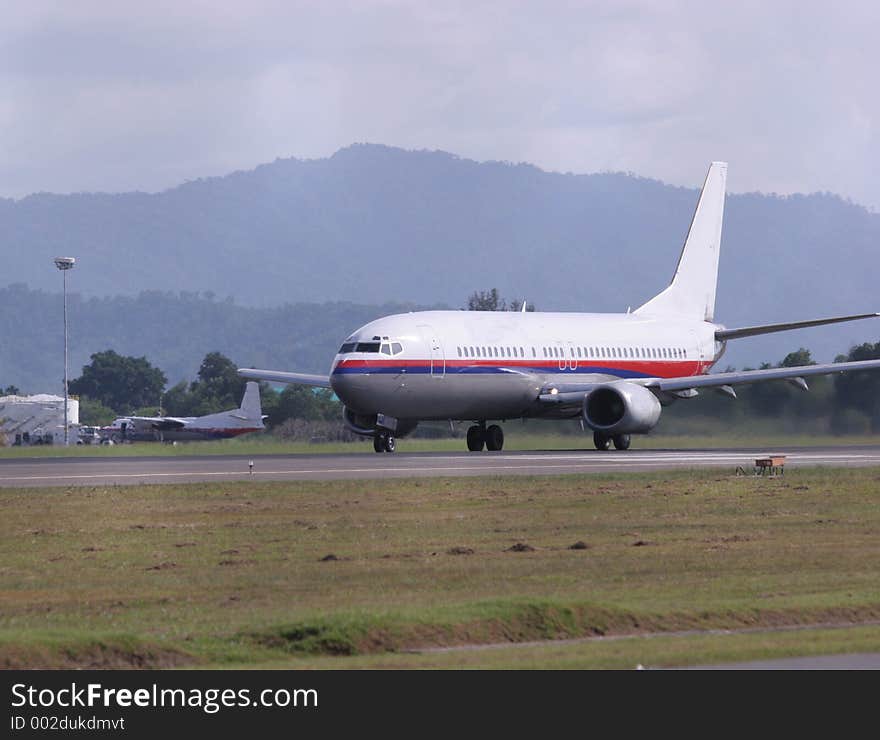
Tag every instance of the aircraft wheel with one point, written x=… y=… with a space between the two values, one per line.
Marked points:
x=379 y=443
x=621 y=441
x=494 y=438
x=602 y=441
x=390 y=444
x=475 y=439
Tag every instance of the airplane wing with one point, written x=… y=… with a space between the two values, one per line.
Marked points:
x=722 y=335
x=715 y=380
x=276 y=376
x=162 y=423
x=569 y=393
x=167 y=423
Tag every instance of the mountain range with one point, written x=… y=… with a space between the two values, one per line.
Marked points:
x=374 y=225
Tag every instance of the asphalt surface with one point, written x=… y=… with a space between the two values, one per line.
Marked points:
x=845 y=662
x=84 y=471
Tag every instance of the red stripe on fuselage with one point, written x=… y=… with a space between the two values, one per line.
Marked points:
x=648 y=368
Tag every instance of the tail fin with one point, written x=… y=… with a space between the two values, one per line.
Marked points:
x=250 y=403
x=692 y=290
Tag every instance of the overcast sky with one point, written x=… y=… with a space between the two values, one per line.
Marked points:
x=124 y=95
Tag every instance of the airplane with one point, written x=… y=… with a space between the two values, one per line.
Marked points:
x=247 y=418
x=614 y=371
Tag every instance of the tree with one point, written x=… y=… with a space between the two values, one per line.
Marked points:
x=491 y=300
x=301 y=402
x=218 y=387
x=516 y=305
x=798 y=358
x=219 y=380
x=486 y=300
x=858 y=391
x=119 y=382
x=94 y=413
x=10 y=390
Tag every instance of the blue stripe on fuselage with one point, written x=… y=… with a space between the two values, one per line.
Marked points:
x=490 y=370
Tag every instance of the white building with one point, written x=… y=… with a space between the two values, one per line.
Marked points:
x=37 y=419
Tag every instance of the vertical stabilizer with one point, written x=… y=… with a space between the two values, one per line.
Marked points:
x=250 y=403
x=691 y=293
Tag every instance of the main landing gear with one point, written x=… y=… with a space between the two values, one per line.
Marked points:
x=384 y=443
x=603 y=441
x=479 y=436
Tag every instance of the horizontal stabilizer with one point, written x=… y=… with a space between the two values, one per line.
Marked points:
x=277 y=376
x=722 y=335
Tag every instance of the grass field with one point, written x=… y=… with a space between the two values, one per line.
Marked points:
x=380 y=573
x=516 y=439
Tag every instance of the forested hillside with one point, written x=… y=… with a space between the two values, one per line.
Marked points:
x=375 y=224
x=173 y=330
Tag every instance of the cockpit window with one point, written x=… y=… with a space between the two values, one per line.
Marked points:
x=346 y=348
x=396 y=348
x=385 y=349
x=367 y=347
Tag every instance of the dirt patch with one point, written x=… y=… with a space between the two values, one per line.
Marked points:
x=520 y=547
x=184 y=544
x=162 y=566
x=102 y=654
x=460 y=551
x=728 y=540
x=236 y=562
x=642 y=543
x=93 y=549
x=328 y=558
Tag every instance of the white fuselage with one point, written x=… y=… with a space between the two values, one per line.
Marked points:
x=475 y=365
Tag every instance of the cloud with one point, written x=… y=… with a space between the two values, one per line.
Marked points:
x=117 y=96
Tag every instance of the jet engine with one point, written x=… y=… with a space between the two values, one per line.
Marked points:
x=367 y=425
x=621 y=408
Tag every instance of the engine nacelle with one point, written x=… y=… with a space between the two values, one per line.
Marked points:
x=363 y=424
x=621 y=408
x=368 y=424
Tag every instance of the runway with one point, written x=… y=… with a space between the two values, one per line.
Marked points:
x=102 y=471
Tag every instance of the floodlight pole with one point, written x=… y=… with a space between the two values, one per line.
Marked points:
x=64 y=264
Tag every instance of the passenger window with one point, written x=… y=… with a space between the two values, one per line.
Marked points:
x=459 y=351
